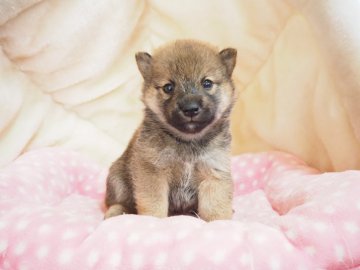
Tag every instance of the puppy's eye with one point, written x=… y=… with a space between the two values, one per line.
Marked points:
x=207 y=84
x=168 y=88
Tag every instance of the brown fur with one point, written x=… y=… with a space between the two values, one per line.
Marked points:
x=173 y=165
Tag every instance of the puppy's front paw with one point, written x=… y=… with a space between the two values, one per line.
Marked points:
x=114 y=210
x=215 y=200
x=218 y=214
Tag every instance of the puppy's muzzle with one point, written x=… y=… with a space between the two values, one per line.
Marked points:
x=190 y=107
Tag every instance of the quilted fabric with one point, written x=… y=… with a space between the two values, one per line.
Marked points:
x=286 y=216
x=68 y=75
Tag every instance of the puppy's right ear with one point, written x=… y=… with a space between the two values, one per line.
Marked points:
x=144 y=63
x=228 y=56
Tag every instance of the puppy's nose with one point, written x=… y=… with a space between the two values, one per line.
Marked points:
x=191 y=108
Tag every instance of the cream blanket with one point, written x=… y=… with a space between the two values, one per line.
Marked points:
x=68 y=75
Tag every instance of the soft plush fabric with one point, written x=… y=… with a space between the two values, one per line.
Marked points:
x=286 y=216
x=68 y=75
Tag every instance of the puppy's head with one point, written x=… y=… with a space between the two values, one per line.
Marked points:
x=187 y=85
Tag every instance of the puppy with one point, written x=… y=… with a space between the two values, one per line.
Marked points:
x=178 y=161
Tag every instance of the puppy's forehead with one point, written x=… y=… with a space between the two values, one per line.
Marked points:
x=187 y=61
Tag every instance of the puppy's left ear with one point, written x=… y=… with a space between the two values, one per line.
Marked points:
x=144 y=63
x=228 y=57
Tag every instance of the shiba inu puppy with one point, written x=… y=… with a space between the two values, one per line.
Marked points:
x=178 y=161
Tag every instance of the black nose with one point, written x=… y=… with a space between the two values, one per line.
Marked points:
x=190 y=108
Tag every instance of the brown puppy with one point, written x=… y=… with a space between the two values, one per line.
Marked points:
x=178 y=161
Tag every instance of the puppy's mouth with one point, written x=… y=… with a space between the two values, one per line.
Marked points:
x=191 y=125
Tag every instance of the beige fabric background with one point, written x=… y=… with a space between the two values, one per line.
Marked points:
x=68 y=75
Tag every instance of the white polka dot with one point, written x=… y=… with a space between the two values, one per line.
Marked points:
x=156 y=238
x=250 y=173
x=218 y=256
x=358 y=205
x=160 y=259
x=21 y=210
x=65 y=256
x=181 y=234
x=245 y=259
x=351 y=227
x=260 y=239
x=42 y=252
x=128 y=222
x=339 y=253
x=72 y=220
x=275 y=264
x=68 y=234
x=92 y=258
x=291 y=235
x=338 y=194
x=289 y=247
x=22 y=224
x=242 y=164
x=329 y=210
x=256 y=160
x=112 y=236
x=241 y=186
x=137 y=260
x=188 y=257
x=133 y=238
x=237 y=237
x=3 y=245
x=20 y=248
x=320 y=227
x=47 y=214
x=115 y=259
x=90 y=229
x=44 y=229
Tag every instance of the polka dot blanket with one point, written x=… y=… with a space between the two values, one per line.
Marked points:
x=286 y=216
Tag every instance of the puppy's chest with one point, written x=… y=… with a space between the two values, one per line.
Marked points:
x=183 y=190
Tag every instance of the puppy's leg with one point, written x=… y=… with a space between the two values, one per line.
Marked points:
x=153 y=202
x=119 y=196
x=215 y=199
x=151 y=195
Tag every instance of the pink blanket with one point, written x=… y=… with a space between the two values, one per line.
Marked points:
x=287 y=216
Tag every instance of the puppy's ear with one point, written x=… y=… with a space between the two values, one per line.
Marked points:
x=144 y=63
x=228 y=57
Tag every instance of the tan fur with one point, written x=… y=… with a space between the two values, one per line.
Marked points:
x=166 y=170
